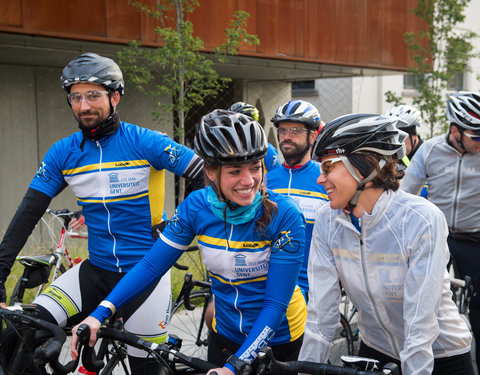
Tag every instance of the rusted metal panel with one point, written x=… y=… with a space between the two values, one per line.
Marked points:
x=349 y=32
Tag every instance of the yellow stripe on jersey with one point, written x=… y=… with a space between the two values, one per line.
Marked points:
x=304 y=193
x=224 y=281
x=111 y=200
x=109 y=165
x=297 y=314
x=233 y=244
x=156 y=187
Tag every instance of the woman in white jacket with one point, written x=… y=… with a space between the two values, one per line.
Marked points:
x=389 y=251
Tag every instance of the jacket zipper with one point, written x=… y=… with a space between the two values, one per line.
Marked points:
x=369 y=292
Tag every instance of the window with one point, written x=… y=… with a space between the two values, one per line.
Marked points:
x=456 y=83
x=303 y=87
x=410 y=82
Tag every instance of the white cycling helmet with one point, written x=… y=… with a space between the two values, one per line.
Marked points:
x=463 y=109
x=411 y=115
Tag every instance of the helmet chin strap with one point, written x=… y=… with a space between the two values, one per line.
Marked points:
x=361 y=183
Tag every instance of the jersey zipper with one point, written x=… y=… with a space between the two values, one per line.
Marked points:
x=289 y=181
x=457 y=190
x=114 y=249
x=368 y=290
x=240 y=320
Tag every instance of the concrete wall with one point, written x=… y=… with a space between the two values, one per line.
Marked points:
x=34 y=115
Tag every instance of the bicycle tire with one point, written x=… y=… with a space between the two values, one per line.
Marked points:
x=193 y=259
x=190 y=325
x=342 y=343
x=114 y=366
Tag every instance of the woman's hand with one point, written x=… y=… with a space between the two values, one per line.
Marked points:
x=94 y=325
x=221 y=371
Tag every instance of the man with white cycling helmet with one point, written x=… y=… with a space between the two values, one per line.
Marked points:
x=451 y=163
x=116 y=171
x=388 y=249
x=412 y=120
x=271 y=160
x=297 y=123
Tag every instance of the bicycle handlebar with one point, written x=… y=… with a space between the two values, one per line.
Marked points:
x=51 y=350
x=268 y=364
x=162 y=351
x=188 y=284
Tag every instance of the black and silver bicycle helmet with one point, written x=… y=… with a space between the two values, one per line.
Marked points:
x=93 y=68
x=225 y=137
x=463 y=109
x=360 y=133
x=409 y=114
x=298 y=111
x=353 y=135
x=245 y=109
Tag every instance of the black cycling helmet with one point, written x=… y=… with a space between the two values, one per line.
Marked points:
x=93 y=68
x=245 y=109
x=298 y=111
x=226 y=137
x=463 y=109
x=360 y=134
x=410 y=115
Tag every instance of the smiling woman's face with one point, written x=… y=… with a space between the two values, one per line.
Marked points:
x=238 y=183
x=338 y=182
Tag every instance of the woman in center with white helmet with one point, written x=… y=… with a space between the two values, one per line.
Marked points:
x=389 y=251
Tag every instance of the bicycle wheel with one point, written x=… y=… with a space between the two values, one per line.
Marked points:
x=342 y=342
x=189 y=325
x=116 y=365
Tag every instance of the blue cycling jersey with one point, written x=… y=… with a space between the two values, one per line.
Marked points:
x=271 y=160
x=119 y=182
x=253 y=276
x=301 y=184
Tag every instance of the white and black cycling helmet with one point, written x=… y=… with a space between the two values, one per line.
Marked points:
x=226 y=137
x=245 y=109
x=463 y=109
x=409 y=114
x=93 y=68
x=298 y=111
x=360 y=134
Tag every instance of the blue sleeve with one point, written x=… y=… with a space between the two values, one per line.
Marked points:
x=162 y=152
x=151 y=268
x=281 y=282
x=49 y=178
x=271 y=160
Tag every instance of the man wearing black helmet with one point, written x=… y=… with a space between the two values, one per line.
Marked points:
x=451 y=163
x=297 y=123
x=116 y=171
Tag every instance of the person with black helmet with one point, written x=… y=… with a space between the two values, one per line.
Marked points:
x=271 y=159
x=116 y=171
x=388 y=249
x=297 y=123
x=451 y=162
x=252 y=243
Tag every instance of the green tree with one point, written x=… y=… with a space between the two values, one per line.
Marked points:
x=178 y=69
x=439 y=52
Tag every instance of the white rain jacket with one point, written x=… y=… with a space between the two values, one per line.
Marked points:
x=394 y=272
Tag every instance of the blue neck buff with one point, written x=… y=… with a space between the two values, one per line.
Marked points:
x=241 y=214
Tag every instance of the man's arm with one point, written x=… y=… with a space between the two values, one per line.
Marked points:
x=31 y=209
